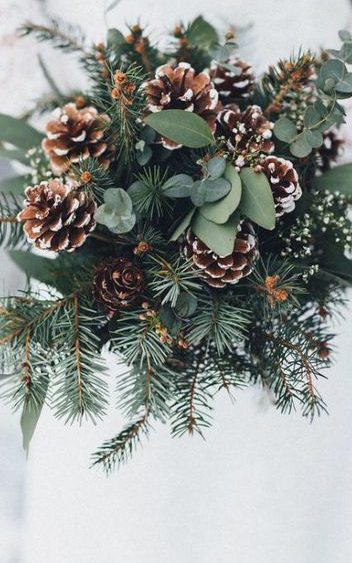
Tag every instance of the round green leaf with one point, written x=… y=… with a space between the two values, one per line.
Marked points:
x=257 y=202
x=220 y=211
x=216 y=167
x=183 y=127
x=178 y=186
x=314 y=138
x=285 y=129
x=338 y=179
x=345 y=85
x=209 y=190
x=300 y=146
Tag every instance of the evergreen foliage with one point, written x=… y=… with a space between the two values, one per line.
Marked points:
x=181 y=338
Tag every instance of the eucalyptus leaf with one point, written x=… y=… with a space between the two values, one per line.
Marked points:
x=55 y=272
x=144 y=155
x=338 y=179
x=346 y=53
x=183 y=225
x=257 y=202
x=300 y=146
x=311 y=117
x=204 y=191
x=183 y=127
x=14 y=154
x=201 y=33
x=220 y=211
x=345 y=85
x=331 y=72
x=169 y=319
x=30 y=417
x=285 y=129
x=116 y=213
x=314 y=138
x=186 y=304
x=320 y=108
x=18 y=132
x=216 y=167
x=219 y=238
x=115 y=38
x=15 y=185
x=178 y=186
x=345 y=35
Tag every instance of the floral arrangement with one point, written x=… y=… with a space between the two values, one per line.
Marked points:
x=182 y=214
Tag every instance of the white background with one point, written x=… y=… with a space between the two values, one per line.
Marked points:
x=263 y=488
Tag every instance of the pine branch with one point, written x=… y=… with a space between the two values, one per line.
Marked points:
x=119 y=450
x=191 y=409
x=61 y=34
x=171 y=277
x=11 y=231
x=218 y=322
x=81 y=391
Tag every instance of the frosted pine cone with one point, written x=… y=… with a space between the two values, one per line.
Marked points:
x=284 y=183
x=231 y=86
x=118 y=283
x=182 y=88
x=218 y=271
x=75 y=134
x=57 y=216
x=247 y=133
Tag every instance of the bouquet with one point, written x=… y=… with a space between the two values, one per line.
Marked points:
x=183 y=215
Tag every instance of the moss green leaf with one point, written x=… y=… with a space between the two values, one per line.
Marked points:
x=219 y=238
x=285 y=129
x=257 y=202
x=15 y=185
x=182 y=127
x=220 y=211
x=183 y=225
x=338 y=179
x=300 y=146
x=18 y=133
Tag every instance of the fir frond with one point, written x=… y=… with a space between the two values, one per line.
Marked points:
x=11 y=230
x=119 y=450
x=169 y=278
x=191 y=410
x=147 y=194
x=218 y=322
x=136 y=339
x=81 y=391
x=58 y=32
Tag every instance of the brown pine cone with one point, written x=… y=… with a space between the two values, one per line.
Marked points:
x=330 y=151
x=231 y=86
x=182 y=88
x=247 y=133
x=283 y=179
x=75 y=134
x=57 y=216
x=217 y=270
x=118 y=283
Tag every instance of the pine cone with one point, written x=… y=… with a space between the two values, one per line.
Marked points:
x=231 y=86
x=75 y=134
x=284 y=183
x=118 y=283
x=218 y=271
x=182 y=88
x=246 y=133
x=57 y=216
x=330 y=151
